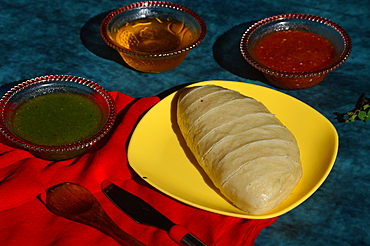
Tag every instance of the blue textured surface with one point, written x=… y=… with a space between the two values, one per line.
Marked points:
x=44 y=37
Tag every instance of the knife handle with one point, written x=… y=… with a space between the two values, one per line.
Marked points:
x=190 y=240
x=183 y=237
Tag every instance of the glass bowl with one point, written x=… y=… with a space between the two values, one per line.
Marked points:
x=153 y=36
x=332 y=40
x=56 y=117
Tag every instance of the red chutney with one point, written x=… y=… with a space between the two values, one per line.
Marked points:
x=294 y=51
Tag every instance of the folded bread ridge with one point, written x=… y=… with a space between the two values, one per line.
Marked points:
x=244 y=149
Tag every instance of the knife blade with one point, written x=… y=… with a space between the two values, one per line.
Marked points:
x=143 y=213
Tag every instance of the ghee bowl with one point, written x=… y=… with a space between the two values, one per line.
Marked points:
x=153 y=36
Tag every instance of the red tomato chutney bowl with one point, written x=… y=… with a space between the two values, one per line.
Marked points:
x=295 y=51
x=56 y=117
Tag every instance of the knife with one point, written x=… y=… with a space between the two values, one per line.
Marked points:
x=143 y=213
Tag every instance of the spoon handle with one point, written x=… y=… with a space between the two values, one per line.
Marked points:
x=104 y=223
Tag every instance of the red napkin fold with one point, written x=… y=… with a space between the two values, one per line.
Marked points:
x=24 y=219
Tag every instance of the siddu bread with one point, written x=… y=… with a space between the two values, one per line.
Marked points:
x=245 y=150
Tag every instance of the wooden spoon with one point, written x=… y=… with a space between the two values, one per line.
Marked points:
x=75 y=202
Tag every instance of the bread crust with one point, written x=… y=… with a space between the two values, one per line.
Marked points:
x=250 y=156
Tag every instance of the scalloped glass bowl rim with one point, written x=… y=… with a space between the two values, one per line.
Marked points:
x=321 y=20
x=65 y=148
x=163 y=4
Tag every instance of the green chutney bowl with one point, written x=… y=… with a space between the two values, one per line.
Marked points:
x=56 y=117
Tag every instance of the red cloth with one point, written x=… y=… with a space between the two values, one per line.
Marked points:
x=24 y=219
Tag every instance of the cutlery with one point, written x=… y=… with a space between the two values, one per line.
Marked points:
x=75 y=202
x=143 y=213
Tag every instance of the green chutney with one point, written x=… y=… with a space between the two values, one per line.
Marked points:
x=57 y=119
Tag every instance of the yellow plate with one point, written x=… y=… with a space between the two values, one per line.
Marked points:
x=157 y=153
